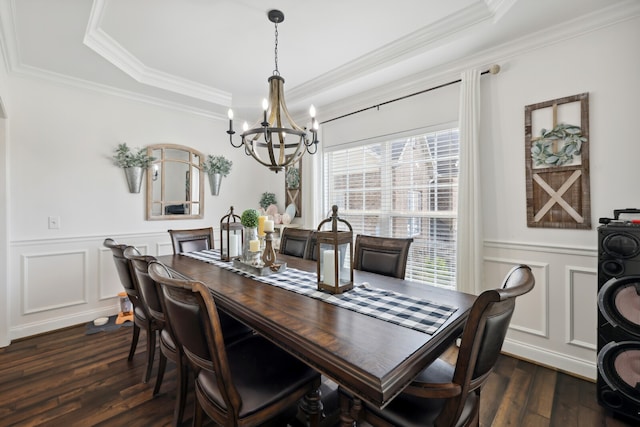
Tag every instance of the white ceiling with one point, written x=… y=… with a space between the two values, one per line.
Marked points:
x=207 y=55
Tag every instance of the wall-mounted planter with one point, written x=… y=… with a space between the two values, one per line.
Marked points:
x=215 y=179
x=134 y=178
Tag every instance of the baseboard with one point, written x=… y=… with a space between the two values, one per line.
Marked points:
x=578 y=367
x=48 y=325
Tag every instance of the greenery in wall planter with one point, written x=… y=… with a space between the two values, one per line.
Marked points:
x=267 y=199
x=134 y=162
x=216 y=167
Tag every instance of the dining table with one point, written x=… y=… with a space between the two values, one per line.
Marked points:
x=373 y=349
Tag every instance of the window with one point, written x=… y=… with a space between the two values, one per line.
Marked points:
x=405 y=187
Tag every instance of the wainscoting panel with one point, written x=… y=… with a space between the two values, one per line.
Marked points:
x=531 y=315
x=61 y=282
x=555 y=324
x=53 y=280
x=581 y=292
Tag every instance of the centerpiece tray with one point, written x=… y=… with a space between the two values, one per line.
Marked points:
x=260 y=270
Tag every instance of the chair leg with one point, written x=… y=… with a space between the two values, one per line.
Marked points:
x=197 y=413
x=134 y=341
x=182 y=377
x=151 y=352
x=162 y=365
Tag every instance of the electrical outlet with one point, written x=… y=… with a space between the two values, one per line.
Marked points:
x=54 y=222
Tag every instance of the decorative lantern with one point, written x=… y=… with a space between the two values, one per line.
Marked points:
x=231 y=236
x=335 y=256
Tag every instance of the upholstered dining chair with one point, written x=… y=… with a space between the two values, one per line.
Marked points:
x=169 y=349
x=192 y=240
x=244 y=383
x=446 y=395
x=381 y=255
x=312 y=243
x=141 y=317
x=294 y=241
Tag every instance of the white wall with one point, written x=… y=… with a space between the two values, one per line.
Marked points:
x=61 y=140
x=556 y=323
x=4 y=221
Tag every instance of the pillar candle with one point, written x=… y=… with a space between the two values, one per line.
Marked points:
x=234 y=245
x=268 y=225
x=261 y=220
x=328 y=267
x=254 y=245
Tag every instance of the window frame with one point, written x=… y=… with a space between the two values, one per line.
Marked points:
x=421 y=254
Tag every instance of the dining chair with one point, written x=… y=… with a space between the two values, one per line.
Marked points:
x=169 y=349
x=312 y=243
x=141 y=317
x=446 y=395
x=294 y=241
x=192 y=240
x=243 y=383
x=381 y=255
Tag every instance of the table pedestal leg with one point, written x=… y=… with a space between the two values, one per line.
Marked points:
x=310 y=408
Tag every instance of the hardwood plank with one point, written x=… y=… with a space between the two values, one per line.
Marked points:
x=67 y=378
x=514 y=400
x=541 y=397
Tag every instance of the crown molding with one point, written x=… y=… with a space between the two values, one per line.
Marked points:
x=104 y=45
x=419 y=41
x=616 y=13
x=34 y=72
x=8 y=43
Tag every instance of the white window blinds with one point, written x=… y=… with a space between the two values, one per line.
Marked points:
x=404 y=187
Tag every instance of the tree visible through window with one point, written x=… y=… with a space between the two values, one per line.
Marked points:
x=405 y=187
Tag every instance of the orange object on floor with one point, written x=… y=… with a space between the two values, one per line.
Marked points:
x=126 y=309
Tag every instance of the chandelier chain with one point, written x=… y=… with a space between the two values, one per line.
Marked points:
x=276 y=72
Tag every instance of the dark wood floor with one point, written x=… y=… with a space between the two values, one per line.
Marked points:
x=68 y=378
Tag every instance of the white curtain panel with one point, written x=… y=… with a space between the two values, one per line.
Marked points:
x=470 y=236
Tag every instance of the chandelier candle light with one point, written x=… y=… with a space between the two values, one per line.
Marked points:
x=269 y=141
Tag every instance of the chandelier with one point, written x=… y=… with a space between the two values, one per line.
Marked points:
x=276 y=141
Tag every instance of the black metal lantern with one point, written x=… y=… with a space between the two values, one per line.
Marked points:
x=335 y=256
x=231 y=236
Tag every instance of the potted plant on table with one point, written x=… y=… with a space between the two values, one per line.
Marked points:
x=216 y=167
x=134 y=162
x=249 y=220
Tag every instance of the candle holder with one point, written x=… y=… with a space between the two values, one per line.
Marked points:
x=231 y=236
x=335 y=255
x=254 y=259
x=269 y=253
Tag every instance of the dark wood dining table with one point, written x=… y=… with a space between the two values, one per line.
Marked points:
x=371 y=358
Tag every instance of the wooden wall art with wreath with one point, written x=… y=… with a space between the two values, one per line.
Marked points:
x=557 y=163
x=293 y=187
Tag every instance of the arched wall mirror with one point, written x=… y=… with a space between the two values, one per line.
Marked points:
x=175 y=189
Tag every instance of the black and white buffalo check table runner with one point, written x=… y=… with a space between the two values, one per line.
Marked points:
x=415 y=313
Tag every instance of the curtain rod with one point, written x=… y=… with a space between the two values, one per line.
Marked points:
x=494 y=69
